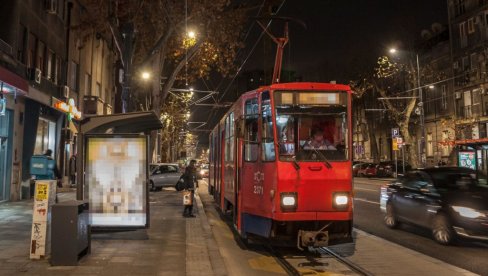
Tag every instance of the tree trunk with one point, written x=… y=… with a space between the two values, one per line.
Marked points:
x=156 y=105
x=411 y=150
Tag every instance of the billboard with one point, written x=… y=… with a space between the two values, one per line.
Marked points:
x=467 y=159
x=115 y=180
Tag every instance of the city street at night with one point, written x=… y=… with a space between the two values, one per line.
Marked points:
x=244 y=137
x=368 y=217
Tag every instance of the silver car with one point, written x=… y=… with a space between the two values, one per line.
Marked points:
x=163 y=175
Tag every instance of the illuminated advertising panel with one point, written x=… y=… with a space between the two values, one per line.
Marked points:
x=115 y=179
x=467 y=159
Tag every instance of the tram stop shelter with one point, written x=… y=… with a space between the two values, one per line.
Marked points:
x=108 y=146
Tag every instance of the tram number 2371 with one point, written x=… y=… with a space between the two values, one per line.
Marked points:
x=258 y=189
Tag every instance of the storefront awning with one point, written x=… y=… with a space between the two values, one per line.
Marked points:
x=471 y=141
x=135 y=122
x=12 y=83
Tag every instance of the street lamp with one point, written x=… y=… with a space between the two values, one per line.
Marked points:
x=191 y=34
x=146 y=75
x=421 y=108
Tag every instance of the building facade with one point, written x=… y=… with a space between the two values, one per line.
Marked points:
x=42 y=64
x=468 y=22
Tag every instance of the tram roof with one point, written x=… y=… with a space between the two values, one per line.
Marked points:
x=305 y=86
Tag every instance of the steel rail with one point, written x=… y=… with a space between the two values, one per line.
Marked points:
x=356 y=268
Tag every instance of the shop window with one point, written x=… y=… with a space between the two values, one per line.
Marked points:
x=46 y=136
x=267 y=145
x=430 y=147
x=251 y=130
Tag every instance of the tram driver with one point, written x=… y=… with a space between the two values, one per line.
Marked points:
x=317 y=141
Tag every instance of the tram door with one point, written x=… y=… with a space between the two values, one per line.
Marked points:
x=250 y=157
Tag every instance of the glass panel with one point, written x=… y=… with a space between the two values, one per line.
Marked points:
x=315 y=131
x=268 y=148
x=251 y=131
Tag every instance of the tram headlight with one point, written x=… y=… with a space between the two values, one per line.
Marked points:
x=340 y=200
x=288 y=201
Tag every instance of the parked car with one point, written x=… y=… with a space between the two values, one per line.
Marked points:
x=387 y=168
x=355 y=168
x=164 y=175
x=203 y=171
x=368 y=169
x=450 y=201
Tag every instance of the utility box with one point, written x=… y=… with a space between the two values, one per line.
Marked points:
x=42 y=167
x=70 y=234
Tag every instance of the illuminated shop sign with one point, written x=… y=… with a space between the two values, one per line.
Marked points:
x=69 y=108
x=116 y=180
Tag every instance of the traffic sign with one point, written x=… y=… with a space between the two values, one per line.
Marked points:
x=395 y=132
x=399 y=141
x=394 y=144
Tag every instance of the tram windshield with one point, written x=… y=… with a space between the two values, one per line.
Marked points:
x=312 y=126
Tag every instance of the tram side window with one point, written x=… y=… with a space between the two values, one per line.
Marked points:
x=229 y=138
x=251 y=131
x=267 y=146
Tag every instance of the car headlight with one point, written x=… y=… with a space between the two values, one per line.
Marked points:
x=468 y=212
x=340 y=200
x=288 y=201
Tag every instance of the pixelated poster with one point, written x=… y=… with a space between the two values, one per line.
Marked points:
x=115 y=180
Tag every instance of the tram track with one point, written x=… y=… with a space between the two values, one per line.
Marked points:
x=316 y=256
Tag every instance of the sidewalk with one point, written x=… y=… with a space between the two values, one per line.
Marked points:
x=173 y=245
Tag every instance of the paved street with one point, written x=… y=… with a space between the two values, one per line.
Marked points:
x=206 y=245
x=367 y=217
x=173 y=245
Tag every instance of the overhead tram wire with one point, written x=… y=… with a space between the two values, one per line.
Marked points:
x=250 y=53
x=213 y=111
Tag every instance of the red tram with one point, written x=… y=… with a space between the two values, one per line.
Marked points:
x=280 y=164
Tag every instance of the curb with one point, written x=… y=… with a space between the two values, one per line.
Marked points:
x=216 y=259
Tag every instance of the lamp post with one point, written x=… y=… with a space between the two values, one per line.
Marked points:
x=420 y=105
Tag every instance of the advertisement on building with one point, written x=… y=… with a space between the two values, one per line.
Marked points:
x=467 y=159
x=116 y=180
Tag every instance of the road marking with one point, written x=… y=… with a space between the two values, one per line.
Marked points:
x=364 y=189
x=368 y=201
x=267 y=264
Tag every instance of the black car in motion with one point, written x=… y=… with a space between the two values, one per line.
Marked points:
x=451 y=201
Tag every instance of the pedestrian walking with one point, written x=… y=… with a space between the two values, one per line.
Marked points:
x=191 y=183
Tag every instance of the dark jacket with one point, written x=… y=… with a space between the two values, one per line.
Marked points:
x=190 y=178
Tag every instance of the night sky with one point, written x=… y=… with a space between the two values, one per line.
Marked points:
x=345 y=36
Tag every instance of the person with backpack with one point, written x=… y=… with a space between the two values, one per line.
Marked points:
x=190 y=184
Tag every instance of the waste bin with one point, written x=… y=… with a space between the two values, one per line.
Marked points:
x=70 y=232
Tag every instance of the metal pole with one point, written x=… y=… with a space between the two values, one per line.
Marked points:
x=403 y=159
x=396 y=164
x=421 y=106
